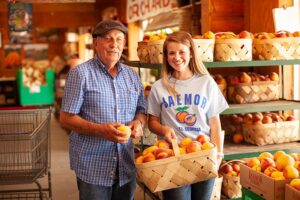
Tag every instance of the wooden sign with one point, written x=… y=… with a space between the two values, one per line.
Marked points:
x=143 y=9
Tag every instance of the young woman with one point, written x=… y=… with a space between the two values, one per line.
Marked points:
x=186 y=89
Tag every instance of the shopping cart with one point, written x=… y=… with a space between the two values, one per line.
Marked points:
x=24 y=153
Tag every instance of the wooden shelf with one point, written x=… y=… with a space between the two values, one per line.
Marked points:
x=262 y=107
x=238 y=151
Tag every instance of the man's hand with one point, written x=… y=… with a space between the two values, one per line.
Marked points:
x=136 y=128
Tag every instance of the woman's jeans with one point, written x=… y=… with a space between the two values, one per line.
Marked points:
x=96 y=192
x=197 y=191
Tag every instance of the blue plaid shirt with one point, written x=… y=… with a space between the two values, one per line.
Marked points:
x=92 y=93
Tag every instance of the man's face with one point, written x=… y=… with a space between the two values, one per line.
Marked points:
x=109 y=48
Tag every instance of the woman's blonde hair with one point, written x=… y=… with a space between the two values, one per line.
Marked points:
x=196 y=65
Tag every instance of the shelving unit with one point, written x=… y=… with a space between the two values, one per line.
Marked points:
x=8 y=92
x=234 y=151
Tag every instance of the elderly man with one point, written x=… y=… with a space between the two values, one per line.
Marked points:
x=101 y=94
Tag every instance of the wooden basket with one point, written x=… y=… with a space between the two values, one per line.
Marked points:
x=155 y=49
x=205 y=49
x=276 y=48
x=275 y=133
x=216 y=193
x=257 y=91
x=233 y=50
x=143 y=53
x=179 y=170
x=231 y=186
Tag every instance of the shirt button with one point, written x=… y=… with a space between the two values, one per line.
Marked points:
x=115 y=158
x=118 y=110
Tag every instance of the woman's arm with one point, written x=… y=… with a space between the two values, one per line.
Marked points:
x=156 y=127
x=217 y=135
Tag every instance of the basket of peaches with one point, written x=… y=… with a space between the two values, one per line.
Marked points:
x=281 y=45
x=250 y=87
x=233 y=47
x=230 y=170
x=164 y=166
x=205 y=46
x=269 y=128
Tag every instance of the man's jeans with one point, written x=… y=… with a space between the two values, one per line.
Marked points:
x=95 y=192
x=196 y=191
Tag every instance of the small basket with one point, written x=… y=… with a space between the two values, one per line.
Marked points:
x=205 y=49
x=179 y=170
x=155 y=49
x=257 y=91
x=274 y=133
x=143 y=53
x=231 y=186
x=233 y=50
x=216 y=193
x=276 y=48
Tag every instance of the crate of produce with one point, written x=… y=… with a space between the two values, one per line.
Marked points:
x=231 y=47
x=292 y=192
x=205 y=49
x=230 y=170
x=36 y=94
x=276 y=46
x=143 y=52
x=155 y=49
x=273 y=133
x=178 y=170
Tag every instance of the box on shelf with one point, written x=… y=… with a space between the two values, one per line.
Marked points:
x=276 y=48
x=205 y=49
x=274 y=133
x=233 y=50
x=155 y=49
x=178 y=170
x=291 y=193
x=261 y=184
x=257 y=91
x=36 y=95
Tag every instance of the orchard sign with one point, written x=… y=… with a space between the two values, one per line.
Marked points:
x=142 y=9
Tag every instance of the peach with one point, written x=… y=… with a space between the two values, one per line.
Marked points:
x=290 y=118
x=194 y=146
x=170 y=152
x=265 y=155
x=125 y=129
x=236 y=167
x=185 y=142
x=233 y=80
x=245 y=34
x=161 y=153
x=266 y=162
x=238 y=138
x=283 y=161
x=182 y=151
x=245 y=78
x=274 y=76
x=290 y=172
x=139 y=160
x=232 y=173
x=209 y=35
x=297 y=165
x=150 y=149
x=296 y=34
x=236 y=119
x=256 y=168
x=277 y=154
x=180 y=116
x=248 y=118
x=269 y=170
x=202 y=138
x=251 y=162
x=257 y=118
x=267 y=119
x=226 y=168
x=148 y=157
x=277 y=175
x=162 y=144
x=207 y=146
x=295 y=183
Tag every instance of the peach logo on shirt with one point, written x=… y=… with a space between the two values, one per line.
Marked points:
x=183 y=116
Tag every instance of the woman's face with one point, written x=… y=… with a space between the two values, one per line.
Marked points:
x=179 y=56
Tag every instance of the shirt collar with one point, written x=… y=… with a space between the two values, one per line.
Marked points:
x=101 y=64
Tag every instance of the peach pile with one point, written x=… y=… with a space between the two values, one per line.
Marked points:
x=279 y=34
x=207 y=35
x=231 y=35
x=279 y=166
x=230 y=169
x=162 y=149
x=260 y=118
x=248 y=77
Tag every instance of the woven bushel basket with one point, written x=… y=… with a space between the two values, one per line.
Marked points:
x=216 y=193
x=274 y=133
x=179 y=170
x=233 y=50
x=205 y=49
x=143 y=53
x=231 y=186
x=155 y=50
x=257 y=91
x=276 y=48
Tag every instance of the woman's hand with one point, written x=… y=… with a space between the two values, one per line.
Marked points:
x=169 y=133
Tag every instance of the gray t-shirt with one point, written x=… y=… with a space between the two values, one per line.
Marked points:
x=198 y=100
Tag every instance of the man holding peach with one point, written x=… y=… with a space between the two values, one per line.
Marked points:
x=104 y=105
